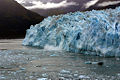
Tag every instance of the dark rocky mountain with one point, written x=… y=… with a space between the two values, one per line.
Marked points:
x=15 y=19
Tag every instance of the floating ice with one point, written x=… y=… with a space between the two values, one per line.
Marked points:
x=44 y=75
x=42 y=79
x=83 y=76
x=65 y=71
x=92 y=32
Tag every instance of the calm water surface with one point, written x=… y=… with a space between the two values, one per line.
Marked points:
x=18 y=62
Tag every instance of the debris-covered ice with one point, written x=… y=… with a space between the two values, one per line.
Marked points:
x=92 y=32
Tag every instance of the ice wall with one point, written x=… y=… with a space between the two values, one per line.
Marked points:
x=92 y=32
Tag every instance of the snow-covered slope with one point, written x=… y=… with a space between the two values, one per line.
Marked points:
x=93 y=32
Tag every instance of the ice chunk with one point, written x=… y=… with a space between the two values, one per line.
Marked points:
x=65 y=71
x=42 y=79
x=92 y=32
x=83 y=76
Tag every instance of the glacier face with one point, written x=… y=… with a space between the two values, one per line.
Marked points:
x=92 y=32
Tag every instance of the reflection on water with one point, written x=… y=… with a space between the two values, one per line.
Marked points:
x=11 y=44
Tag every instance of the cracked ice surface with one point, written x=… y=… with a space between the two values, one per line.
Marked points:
x=92 y=32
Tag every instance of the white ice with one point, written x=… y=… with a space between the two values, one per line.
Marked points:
x=92 y=32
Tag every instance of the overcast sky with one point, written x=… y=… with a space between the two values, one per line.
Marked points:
x=48 y=4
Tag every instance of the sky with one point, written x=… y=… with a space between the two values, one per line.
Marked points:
x=51 y=7
x=48 y=4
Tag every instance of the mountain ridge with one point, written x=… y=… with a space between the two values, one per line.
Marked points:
x=15 y=19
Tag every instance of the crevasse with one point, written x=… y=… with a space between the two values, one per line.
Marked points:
x=92 y=32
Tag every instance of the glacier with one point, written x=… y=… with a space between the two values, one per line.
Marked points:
x=91 y=32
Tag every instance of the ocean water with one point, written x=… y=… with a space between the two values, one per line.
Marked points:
x=19 y=62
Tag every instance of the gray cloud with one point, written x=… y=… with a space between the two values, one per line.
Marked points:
x=107 y=3
x=90 y=3
x=33 y=4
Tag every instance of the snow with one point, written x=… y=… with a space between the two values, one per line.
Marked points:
x=92 y=32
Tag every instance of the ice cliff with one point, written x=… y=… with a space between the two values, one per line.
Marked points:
x=92 y=32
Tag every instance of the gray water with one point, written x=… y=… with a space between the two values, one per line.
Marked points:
x=18 y=62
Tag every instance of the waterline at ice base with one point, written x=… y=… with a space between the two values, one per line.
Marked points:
x=92 y=32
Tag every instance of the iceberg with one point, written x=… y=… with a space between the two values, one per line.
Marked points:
x=91 y=32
